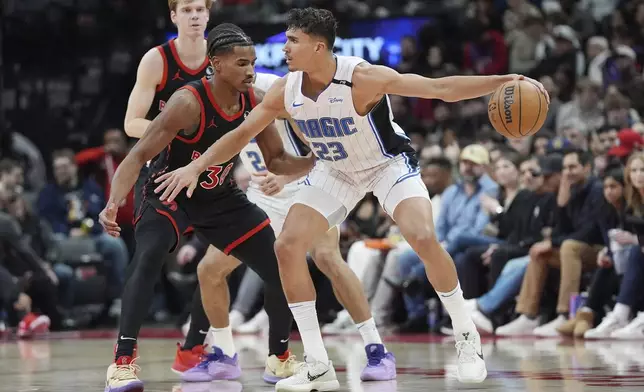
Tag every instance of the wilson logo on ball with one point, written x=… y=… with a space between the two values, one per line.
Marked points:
x=508 y=100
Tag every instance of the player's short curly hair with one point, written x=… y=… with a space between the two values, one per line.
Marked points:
x=314 y=21
x=224 y=37
x=172 y=4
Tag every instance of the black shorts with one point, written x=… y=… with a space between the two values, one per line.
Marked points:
x=225 y=224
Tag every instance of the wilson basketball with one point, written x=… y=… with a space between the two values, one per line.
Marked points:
x=517 y=109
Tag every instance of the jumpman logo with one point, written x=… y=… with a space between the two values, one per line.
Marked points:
x=212 y=123
x=177 y=76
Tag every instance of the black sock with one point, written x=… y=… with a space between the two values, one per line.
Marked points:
x=280 y=320
x=125 y=347
x=199 y=323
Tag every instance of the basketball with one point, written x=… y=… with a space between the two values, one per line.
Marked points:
x=517 y=109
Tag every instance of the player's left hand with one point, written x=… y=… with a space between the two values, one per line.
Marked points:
x=271 y=184
x=174 y=181
x=536 y=83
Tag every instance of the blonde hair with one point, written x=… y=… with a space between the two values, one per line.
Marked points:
x=172 y=4
x=632 y=194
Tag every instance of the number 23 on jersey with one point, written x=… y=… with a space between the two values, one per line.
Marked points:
x=216 y=174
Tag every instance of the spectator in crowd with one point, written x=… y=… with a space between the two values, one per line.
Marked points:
x=23 y=151
x=507 y=212
x=570 y=248
x=585 y=108
x=605 y=277
x=38 y=235
x=460 y=203
x=508 y=262
x=35 y=276
x=102 y=163
x=11 y=176
x=71 y=206
x=628 y=142
x=616 y=324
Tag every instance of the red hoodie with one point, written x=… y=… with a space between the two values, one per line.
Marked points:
x=108 y=164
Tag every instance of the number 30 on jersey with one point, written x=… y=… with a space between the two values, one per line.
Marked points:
x=216 y=174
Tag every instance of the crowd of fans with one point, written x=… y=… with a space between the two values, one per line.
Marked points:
x=543 y=230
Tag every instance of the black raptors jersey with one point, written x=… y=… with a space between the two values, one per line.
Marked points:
x=175 y=75
x=216 y=182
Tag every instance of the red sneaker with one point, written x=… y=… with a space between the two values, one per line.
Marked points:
x=187 y=359
x=32 y=324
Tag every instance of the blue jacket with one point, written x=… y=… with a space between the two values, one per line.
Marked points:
x=462 y=214
x=53 y=206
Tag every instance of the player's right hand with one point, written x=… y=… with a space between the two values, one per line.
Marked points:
x=107 y=218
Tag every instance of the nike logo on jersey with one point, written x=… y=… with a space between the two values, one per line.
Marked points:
x=124 y=338
x=296 y=105
x=201 y=331
x=284 y=341
x=313 y=378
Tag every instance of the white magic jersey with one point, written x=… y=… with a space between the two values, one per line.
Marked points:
x=251 y=155
x=338 y=135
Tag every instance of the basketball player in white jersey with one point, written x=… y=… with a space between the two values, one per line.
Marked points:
x=275 y=195
x=341 y=105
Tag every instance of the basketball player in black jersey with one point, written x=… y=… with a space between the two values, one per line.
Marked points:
x=194 y=118
x=162 y=71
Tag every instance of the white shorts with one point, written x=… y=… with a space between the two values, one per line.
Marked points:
x=334 y=193
x=275 y=207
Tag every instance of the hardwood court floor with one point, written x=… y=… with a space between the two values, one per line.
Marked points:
x=78 y=361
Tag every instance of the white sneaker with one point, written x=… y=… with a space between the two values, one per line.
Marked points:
x=609 y=324
x=255 y=325
x=634 y=329
x=342 y=322
x=277 y=369
x=471 y=366
x=309 y=376
x=520 y=326
x=482 y=322
x=123 y=378
x=550 y=329
x=235 y=319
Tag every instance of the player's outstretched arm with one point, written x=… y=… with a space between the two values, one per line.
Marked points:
x=148 y=77
x=181 y=112
x=277 y=160
x=378 y=79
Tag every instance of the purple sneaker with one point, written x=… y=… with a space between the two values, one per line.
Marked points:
x=215 y=366
x=381 y=366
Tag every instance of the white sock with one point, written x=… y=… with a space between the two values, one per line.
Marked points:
x=454 y=303
x=369 y=332
x=622 y=312
x=306 y=318
x=223 y=338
